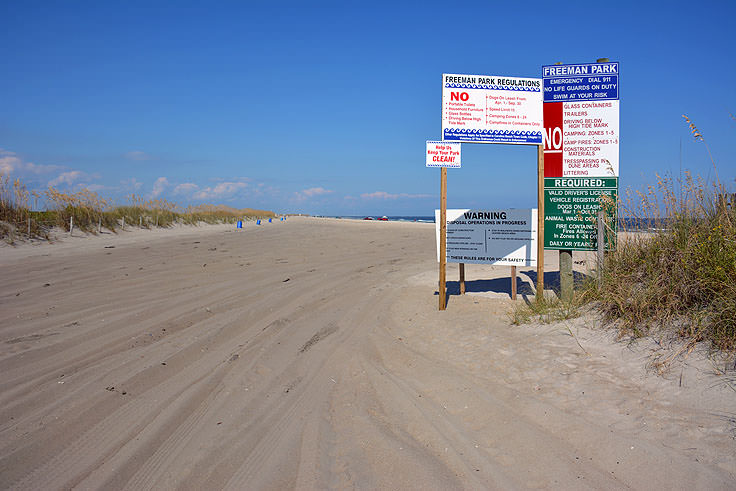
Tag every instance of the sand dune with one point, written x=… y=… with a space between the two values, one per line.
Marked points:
x=310 y=354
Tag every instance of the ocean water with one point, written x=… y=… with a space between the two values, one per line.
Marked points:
x=394 y=218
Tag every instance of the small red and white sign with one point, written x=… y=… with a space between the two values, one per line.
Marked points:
x=443 y=154
x=581 y=139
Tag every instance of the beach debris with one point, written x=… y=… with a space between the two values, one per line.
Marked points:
x=287 y=279
x=113 y=389
x=46 y=284
x=109 y=247
x=208 y=310
x=204 y=265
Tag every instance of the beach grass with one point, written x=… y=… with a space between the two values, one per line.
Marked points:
x=89 y=212
x=677 y=275
x=545 y=310
x=681 y=277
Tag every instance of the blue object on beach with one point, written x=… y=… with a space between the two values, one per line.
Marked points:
x=269 y=221
x=240 y=223
x=258 y=222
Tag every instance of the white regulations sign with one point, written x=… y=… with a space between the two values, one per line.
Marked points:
x=581 y=120
x=499 y=237
x=443 y=154
x=491 y=109
x=581 y=139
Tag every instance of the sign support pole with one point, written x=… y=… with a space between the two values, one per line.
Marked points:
x=462 y=278
x=601 y=247
x=513 y=282
x=443 y=237
x=566 y=279
x=540 y=222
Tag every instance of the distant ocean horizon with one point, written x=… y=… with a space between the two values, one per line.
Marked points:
x=392 y=218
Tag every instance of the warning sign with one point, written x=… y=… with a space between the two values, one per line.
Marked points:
x=500 y=237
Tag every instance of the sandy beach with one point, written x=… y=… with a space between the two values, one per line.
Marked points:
x=310 y=354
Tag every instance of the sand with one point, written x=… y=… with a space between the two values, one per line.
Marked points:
x=311 y=354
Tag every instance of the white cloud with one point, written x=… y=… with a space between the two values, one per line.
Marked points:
x=40 y=169
x=68 y=178
x=311 y=192
x=185 y=188
x=385 y=195
x=221 y=190
x=95 y=188
x=137 y=155
x=159 y=186
x=10 y=163
x=131 y=183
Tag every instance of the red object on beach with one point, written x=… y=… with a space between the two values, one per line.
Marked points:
x=368 y=218
x=384 y=219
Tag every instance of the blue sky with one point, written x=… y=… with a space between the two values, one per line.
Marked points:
x=325 y=107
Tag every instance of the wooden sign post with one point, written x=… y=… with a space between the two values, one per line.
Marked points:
x=443 y=237
x=540 y=222
x=505 y=110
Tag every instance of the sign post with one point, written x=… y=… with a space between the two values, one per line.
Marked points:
x=443 y=237
x=488 y=109
x=443 y=154
x=581 y=138
x=540 y=222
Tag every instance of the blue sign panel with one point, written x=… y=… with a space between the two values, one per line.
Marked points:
x=588 y=82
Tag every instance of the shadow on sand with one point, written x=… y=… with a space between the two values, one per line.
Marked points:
x=503 y=285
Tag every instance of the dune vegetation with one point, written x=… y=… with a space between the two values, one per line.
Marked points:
x=673 y=272
x=21 y=218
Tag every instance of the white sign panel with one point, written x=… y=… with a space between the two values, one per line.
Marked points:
x=443 y=154
x=582 y=138
x=499 y=237
x=491 y=109
x=581 y=120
